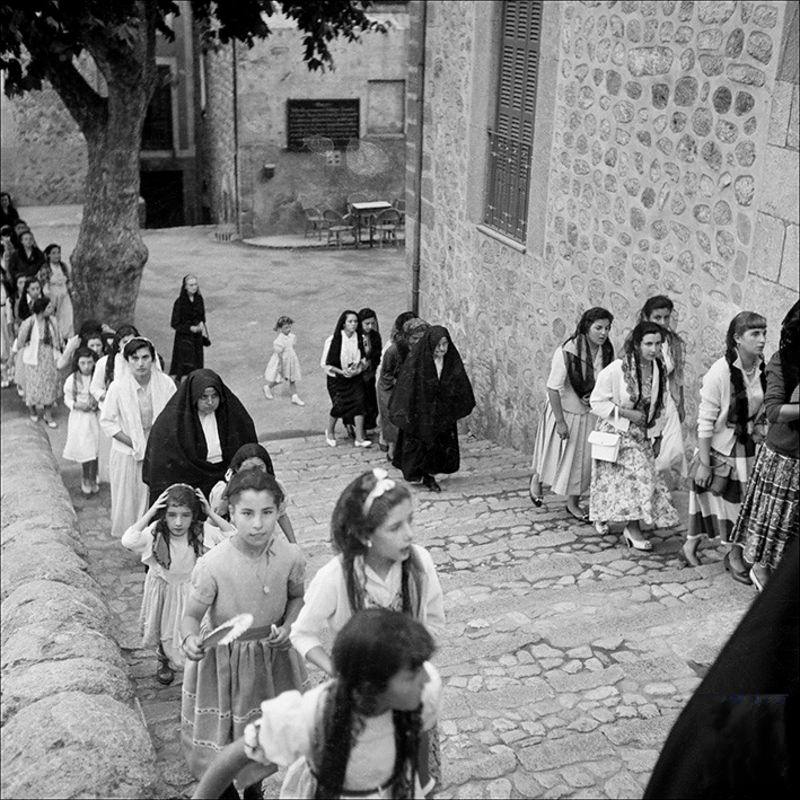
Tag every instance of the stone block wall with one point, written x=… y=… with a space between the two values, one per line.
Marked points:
x=69 y=724
x=43 y=158
x=653 y=172
x=269 y=74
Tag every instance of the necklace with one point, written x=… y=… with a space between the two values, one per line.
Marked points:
x=260 y=565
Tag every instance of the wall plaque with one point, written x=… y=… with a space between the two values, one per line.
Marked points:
x=338 y=120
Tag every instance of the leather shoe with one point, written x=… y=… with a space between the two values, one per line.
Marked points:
x=740 y=577
x=429 y=482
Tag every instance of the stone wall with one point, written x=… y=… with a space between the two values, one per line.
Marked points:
x=69 y=724
x=652 y=172
x=272 y=72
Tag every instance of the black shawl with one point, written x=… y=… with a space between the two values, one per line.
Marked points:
x=334 y=358
x=580 y=367
x=176 y=448
x=186 y=312
x=737 y=734
x=423 y=405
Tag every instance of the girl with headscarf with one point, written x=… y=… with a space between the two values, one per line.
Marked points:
x=343 y=360
x=113 y=364
x=729 y=416
x=392 y=357
x=628 y=398
x=135 y=398
x=562 y=456
x=671 y=456
x=432 y=393
x=189 y=322
x=372 y=350
x=28 y=257
x=768 y=519
x=197 y=434
x=251 y=456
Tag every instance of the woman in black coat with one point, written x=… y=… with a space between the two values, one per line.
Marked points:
x=189 y=322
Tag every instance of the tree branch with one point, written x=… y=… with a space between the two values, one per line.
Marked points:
x=85 y=105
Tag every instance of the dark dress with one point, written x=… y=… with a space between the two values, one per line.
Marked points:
x=187 y=349
x=176 y=448
x=347 y=394
x=22 y=263
x=373 y=347
x=736 y=735
x=425 y=408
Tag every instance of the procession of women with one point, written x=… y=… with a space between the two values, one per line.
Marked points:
x=228 y=609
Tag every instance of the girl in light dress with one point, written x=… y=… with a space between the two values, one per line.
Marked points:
x=562 y=455
x=730 y=422
x=284 y=365
x=170 y=539
x=83 y=426
x=356 y=736
x=57 y=285
x=250 y=456
x=671 y=457
x=628 y=399
x=377 y=565
x=253 y=572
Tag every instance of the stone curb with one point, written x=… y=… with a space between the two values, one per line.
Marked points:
x=69 y=724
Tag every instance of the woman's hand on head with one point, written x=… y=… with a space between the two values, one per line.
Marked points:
x=203 y=502
x=160 y=502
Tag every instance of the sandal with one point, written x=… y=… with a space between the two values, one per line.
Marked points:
x=602 y=528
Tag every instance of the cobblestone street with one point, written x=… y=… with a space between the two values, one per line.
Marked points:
x=566 y=658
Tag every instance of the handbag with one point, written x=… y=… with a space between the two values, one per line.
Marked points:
x=721 y=474
x=605 y=446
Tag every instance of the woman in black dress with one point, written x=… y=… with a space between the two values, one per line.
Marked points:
x=189 y=322
x=432 y=393
x=344 y=361
x=373 y=345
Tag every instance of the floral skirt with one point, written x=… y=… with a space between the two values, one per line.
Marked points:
x=41 y=380
x=715 y=515
x=768 y=517
x=630 y=488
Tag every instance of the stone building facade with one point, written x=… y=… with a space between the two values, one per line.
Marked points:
x=664 y=159
x=43 y=159
x=245 y=111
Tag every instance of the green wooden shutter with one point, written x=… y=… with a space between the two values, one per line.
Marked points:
x=512 y=135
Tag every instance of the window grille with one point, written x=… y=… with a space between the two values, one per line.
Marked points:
x=508 y=178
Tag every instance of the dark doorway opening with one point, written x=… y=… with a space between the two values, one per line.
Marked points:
x=163 y=196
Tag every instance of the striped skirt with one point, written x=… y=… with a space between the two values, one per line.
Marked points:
x=223 y=693
x=715 y=515
x=768 y=517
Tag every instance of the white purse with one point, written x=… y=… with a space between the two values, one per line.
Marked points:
x=605 y=446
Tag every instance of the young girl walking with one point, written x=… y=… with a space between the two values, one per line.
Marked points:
x=250 y=456
x=284 y=365
x=357 y=735
x=253 y=572
x=170 y=539
x=83 y=426
x=377 y=565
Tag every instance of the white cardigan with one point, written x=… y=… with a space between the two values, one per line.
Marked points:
x=715 y=400
x=611 y=389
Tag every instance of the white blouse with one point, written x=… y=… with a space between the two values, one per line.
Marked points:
x=208 y=422
x=349 y=353
x=328 y=606
x=285 y=734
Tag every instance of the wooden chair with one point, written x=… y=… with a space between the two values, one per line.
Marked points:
x=386 y=225
x=315 y=222
x=337 y=225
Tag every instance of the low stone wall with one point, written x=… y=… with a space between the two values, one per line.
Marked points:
x=69 y=724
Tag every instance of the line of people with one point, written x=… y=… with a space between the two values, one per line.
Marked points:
x=638 y=399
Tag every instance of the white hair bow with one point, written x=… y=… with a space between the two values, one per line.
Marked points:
x=382 y=485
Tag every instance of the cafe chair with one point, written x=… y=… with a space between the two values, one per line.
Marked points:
x=337 y=225
x=400 y=205
x=385 y=226
x=315 y=222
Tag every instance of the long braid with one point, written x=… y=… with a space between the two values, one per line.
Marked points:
x=407 y=730
x=739 y=407
x=333 y=752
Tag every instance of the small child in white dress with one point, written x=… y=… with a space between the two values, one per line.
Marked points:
x=83 y=426
x=341 y=738
x=170 y=546
x=284 y=365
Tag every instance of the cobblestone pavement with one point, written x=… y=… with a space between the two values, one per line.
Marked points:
x=566 y=659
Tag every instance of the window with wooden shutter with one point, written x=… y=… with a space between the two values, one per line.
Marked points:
x=510 y=140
